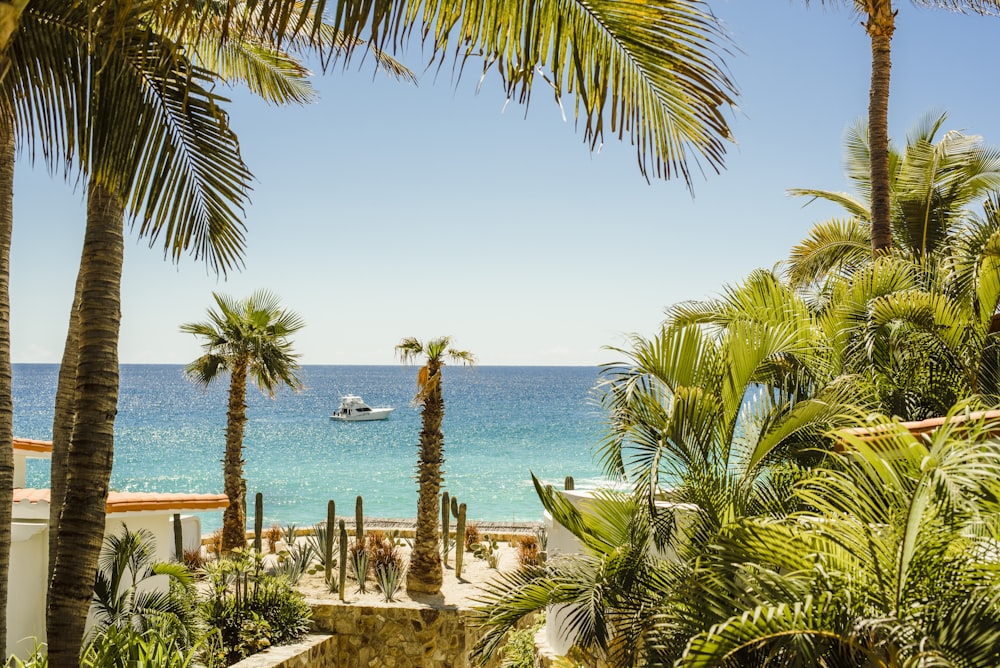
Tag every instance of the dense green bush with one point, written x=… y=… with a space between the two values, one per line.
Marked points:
x=519 y=650
x=250 y=609
x=125 y=647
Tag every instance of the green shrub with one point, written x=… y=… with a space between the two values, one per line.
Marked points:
x=250 y=609
x=519 y=650
x=283 y=608
x=125 y=647
x=38 y=659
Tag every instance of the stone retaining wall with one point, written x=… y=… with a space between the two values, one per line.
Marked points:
x=315 y=651
x=369 y=635
x=396 y=636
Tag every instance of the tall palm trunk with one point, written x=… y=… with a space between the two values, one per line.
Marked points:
x=6 y=402
x=880 y=26
x=425 y=562
x=81 y=525
x=62 y=420
x=234 y=520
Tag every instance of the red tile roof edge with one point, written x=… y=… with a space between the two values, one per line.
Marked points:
x=32 y=445
x=129 y=502
x=917 y=427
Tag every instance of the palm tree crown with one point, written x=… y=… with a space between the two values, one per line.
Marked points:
x=425 y=563
x=252 y=333
x=248 y=338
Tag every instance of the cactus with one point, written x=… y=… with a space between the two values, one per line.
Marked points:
x=454 y=506
x=178 y=538
x=331 y=519
x=359 y=519
x=343 y=559
x=568 y=484
x=445 y=525
x=459 y=541
x=258 y=520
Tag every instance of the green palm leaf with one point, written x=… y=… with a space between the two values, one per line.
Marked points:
x=649 y=70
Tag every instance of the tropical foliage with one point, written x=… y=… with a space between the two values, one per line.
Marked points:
x=914 y=329
x=892 y=564
x=707 y=422
x=124 y=597
x=250 y=609
x=880 y=24
x=744 y=540
x=425 y=574
x=936 y=184
x=247 y=339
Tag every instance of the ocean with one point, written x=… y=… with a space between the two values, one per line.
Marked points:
x=501 y=424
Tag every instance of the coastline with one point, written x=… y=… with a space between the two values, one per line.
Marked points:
x=405 y=527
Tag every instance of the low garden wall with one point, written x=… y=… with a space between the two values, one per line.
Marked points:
x=314 y=651
x=396 y=636
x=390 y=635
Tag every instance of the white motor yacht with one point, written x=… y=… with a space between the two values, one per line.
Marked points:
x=354 y=409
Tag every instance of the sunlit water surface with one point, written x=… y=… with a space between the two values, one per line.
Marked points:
x=500 y=424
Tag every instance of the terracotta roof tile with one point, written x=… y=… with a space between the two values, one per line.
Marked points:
x=32 y=445
x=917 y=427
x=31 y=495
x=125 y=502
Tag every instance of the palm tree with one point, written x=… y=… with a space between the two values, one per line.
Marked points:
x=165 y=154
x=6 y=388
x=710 y=412
x=889 y=565
x=935 y=181
x=246 y=339
x=45 y=51
x=915 y=330
x=880 y=24
x=197 y=210
x=425 y=574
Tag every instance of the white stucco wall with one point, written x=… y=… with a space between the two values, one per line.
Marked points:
x=29 y=566
x=29 y=557
x=20 y=471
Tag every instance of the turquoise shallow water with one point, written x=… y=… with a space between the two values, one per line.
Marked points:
x=500 y=423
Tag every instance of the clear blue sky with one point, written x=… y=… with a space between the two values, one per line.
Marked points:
x=387 y=210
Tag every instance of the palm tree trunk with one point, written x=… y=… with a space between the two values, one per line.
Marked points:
x=880 y=26
x=234 y=521
x=425 y=573
x=62 y=420
x=6 y=402
x=81 y=525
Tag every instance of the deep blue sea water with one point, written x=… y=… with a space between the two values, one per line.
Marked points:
x=500 y=423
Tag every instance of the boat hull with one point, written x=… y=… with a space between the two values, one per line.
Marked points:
x=373 y=414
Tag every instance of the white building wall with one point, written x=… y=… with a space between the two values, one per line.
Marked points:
x=28 y=584
x=29 y=558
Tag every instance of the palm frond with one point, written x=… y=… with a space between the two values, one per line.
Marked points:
x=837 y=246
x=166 y=149
x=649 y=70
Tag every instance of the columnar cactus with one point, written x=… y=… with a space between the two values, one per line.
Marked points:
x=359 y=520
x=445 y=525
x=331 y=520
x=459 y=541
x=343 y=559
x=258 y=520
